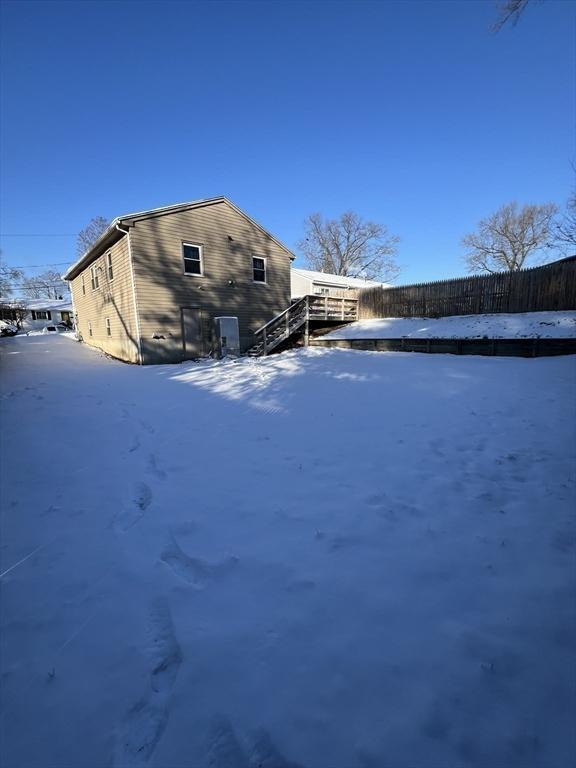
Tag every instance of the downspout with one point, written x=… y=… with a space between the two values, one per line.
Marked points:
x=136 y=313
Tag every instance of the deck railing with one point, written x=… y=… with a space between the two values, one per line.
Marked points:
x=306 y=309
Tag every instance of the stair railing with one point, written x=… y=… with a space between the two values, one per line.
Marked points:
x=311 y=307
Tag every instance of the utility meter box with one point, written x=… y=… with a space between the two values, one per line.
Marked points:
x=227 y=336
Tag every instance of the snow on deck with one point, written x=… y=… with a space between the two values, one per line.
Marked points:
x=522 y=325
x=324 y=558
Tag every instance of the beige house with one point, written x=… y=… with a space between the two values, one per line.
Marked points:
x=149 y=289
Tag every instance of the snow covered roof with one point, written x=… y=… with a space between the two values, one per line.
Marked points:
x=114 y=232
x=48 y=305
x=326 y=277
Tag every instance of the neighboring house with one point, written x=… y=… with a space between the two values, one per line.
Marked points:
x=149 y=289
x=42 y=312
x=304 y=282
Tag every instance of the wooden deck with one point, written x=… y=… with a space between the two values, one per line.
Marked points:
x=297 y=317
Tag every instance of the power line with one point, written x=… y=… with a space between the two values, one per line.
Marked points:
x=38 y=285
x=38 y=234
x=39 y=266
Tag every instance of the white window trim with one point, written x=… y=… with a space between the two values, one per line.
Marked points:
x=201 y=249
x=108 y=327
x=94 y=279
x=265 y=260
x=109 y=267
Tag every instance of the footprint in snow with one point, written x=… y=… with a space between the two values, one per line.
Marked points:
x=148 y=427
x=138 y=736
x=223 y=750
x=142 y=496
x=153 y=468
x=265 y=754
x=163 y=648
x=146 y=720
x=131 y=513
x=195 y=570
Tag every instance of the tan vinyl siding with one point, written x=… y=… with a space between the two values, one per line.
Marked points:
x=113 y=299
x=226 y=287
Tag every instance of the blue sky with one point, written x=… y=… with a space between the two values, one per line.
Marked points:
x=413 y=114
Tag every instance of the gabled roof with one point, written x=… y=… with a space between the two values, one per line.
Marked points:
x=50 y=305
x=328 y=279
x=113 y=233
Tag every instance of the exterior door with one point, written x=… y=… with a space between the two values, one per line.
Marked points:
x=192 y=332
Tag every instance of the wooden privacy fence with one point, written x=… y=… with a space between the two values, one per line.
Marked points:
x=550 y=287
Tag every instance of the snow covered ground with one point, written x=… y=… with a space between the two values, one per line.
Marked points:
x=522 y=325
x=325 y=559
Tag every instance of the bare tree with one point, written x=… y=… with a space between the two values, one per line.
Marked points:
x=88 y=236
x=350 y=246
x=510 y=11
x=509 y=237
x=46 y=285
x=565 y=234
x=9 y=277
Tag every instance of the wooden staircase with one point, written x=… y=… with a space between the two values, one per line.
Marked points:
x=297 y=318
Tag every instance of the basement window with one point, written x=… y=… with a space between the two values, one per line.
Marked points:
x=109 y=267
x=108 y=327
x=192 y=258
x=258 y=269
x=89 y=328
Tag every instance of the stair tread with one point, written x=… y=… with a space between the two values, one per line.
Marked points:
x=315 y=307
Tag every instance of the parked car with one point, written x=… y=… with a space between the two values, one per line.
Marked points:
x=8 y=329
x=55 y=328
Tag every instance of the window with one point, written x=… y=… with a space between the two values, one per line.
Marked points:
x=192 y=258
x=89 y=328
x=322 y=291
x=41 y=315
x=108 y=327
x=94 y=279
x=258 y=270
x=83 y=286
x=109 y=267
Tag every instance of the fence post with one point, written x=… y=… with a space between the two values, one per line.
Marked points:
x=307 y=324
x=264 y=343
